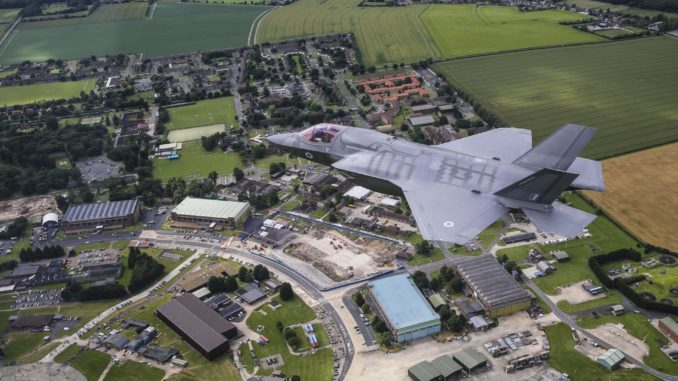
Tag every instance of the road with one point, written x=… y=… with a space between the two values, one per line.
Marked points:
x=565 y=318
x=365 y=330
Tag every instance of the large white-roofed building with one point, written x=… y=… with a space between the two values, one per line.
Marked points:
x=201 y=213
x=405 y=310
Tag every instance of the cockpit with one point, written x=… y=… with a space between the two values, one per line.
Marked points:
x=321 y=133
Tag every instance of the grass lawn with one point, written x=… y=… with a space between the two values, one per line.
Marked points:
x=491 y=233
x=542 y=90
x=16 y=95
x=638 y=326
x=195 y=133
x=419 y=259
x=578 y=366
x=317 y=366
x=91 y=363
x=290 y=205
x=663 y=277
x=203 y=113
x=612 y=298
x=67 y=353
x=92 y=246
x=18 y=344
x=38 y=354
x=173 y=29
x=195 y=161
x=134 y=371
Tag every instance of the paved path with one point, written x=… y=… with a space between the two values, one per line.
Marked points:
x=567 y=319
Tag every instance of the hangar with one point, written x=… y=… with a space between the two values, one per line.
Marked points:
x=50 y=220
x=198 y=324
x=404 y=309
x=496 y=289
x=105 y=215
x=201 y=213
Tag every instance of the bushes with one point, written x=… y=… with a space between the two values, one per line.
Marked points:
x=15 y=229
x=47 y=252
x=286 y=292
x=596 y=261
x=146 y=270
x=74 y=291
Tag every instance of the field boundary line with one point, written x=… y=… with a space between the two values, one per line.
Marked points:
x=152 y=12
x=9 y=34
x=254 y=29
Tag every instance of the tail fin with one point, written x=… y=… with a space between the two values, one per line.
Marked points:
x=561 y=220
x=559 y=150
x=538 y=190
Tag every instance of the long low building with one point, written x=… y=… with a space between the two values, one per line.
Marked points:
x=496 y=289
x=404 y=309
x=198 y=324
x=201 y=213
x=105 y=215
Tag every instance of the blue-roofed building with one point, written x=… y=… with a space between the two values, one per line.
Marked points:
x=104 y=215
x=405 y=310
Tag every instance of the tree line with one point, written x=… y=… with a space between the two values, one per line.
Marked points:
x=47 y=252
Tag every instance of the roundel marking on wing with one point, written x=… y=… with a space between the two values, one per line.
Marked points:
x=448 y=224
x=308 y=155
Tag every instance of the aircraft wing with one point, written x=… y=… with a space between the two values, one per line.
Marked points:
x=444 y=212
x=508 y=144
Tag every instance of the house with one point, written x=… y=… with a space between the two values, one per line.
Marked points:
x=617 y=310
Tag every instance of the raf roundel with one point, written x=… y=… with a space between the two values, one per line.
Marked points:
x=309 y=155
x=448 y=224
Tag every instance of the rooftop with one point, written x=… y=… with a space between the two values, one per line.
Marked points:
x=446 y=365
x=490 y=281
x=400 y=299
x=206 y=208
x=612 y=356
x=670 y=324
x=469 y=358
x=424 y=371
x=357 y=192
x=100 y=211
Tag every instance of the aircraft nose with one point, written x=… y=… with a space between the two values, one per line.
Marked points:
x=279 y=139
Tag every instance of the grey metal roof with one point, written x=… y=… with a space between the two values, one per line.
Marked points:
x=250 y=293
x=487 y=277
x=117 y=341
x=446 y=365
x=402 y=302
x=611 y=357
x=206 y=208
x=100 y=211
x=469 y=358
x=424 y=371
x=25 y=270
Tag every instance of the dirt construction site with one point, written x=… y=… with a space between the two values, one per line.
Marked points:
x=341 y=256
x=27 y=207
x=575 y=293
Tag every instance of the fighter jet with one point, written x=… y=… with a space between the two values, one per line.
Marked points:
x=456 y=189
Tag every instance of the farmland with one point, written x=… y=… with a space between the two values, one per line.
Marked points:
x=13 y=95
x=641 y=194
x=625 y=89
x=103 y=13
x=620 y=8
x=408 y=34
x=7 y=16
x=173 y=29
x=195 y=160
x=202 y=113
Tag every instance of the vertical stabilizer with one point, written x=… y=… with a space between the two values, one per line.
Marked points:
x=559 y=150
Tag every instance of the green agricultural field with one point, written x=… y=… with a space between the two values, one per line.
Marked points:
x=8 y=15
x=203 y=113
x=173 y=29
x=626 y=89
x=620 y=8
x=16 y=95
x=409 y=34
x=475 y=30
x=565 y=358
x=134 y=371
x=194 y=160
x=195 y=133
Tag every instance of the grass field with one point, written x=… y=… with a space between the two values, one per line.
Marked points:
x=15 y=95
x=409 y=34
x=18 y=344
x=644 y=207
x=625 y=89
x=638 y=326
x=134 y=371
x=419 y=259
x=663 y=277
x=578 y=366
x=104 y=13
x=91 y=363
x=195 y=133
x=7 y=16
x=317 y=366
x=619 y=8
x=203 y=113
x=173 y=29
x=195 y=160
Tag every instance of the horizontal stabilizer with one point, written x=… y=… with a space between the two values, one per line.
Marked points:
x=590 y=174
x=559 y=150
x=542 y=188
x=562 y=220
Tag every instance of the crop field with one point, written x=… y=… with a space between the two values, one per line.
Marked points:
x=104 y=13
x=620 y=8
x=625 y=89
x=194 y=160
x=173 y=29
x=640 y=194
x=195 y=133
x=202 y=113
x=7 y=16
x=409 y=34
x=15 y=95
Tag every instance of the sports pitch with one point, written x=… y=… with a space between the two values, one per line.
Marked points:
x=195 y=133
x=174 y=28
x=15 y=95
x=625 y=89
x=409 y=34
x=203 y=113
x=641 y=194
x=194 y=160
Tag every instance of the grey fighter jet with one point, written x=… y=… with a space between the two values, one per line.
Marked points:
x=457 y=189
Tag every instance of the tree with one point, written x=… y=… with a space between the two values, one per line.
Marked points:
x=366 y=308
x=419 y=278
x=286 y=292
x=456 y=284
x=444 y=312
x=131 y=258
x=261 y=273
x=244 y=275
x=359 y=299
x=280 y=326
x=215 y=284
x=230 y=284
x=52 y=123
x=238 y=174
x=213 y=176
x=424 y=248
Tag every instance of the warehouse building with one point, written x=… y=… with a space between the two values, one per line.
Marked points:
x=669 y=327
x=206 y=214
x=403 y=308
x=470 y=359
x=100 y=216
x=443 y=368
x=611 y=359
x=494 y=288
x=198 y=324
